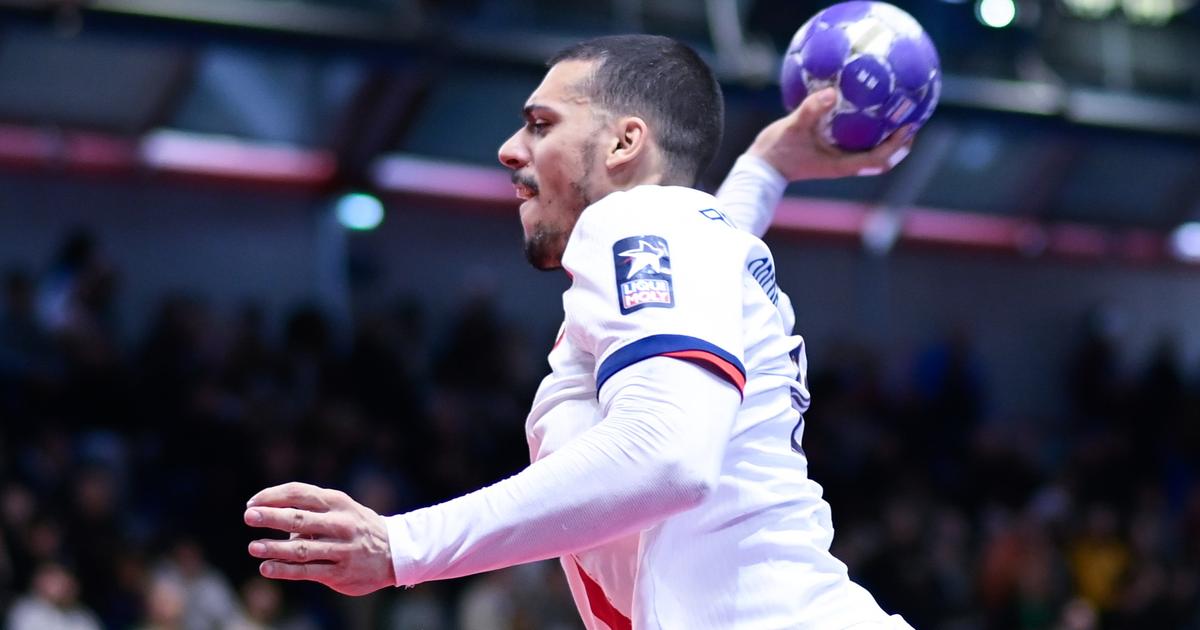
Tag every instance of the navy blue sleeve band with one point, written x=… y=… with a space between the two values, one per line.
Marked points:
x=681 y=346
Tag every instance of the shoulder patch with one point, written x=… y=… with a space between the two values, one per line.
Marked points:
x=643 y=265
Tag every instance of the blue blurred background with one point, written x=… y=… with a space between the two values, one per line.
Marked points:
x=1003 y=332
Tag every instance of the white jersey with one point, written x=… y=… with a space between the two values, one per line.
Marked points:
x=676 y=498
x=659 y=271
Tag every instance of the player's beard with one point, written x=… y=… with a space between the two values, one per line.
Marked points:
x=540 y=248
x=544 y=247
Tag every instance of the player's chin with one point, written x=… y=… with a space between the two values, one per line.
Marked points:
x=541 y=253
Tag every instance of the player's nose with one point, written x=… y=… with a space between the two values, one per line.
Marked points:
x=513 y=152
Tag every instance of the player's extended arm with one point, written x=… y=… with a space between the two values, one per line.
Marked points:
x=657 y=452
x=791 y=149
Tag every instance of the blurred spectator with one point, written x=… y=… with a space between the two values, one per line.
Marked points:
x=516 y=598
x=419 y=608
x=96 y=533
x=1093 y=378
x=75 y=299
x=166 y=605
x=900 y=572
x=7 y=572
x=126 y=596
x=263 y=609
x=52 y=603
x=948 y=383
x=1099 y=558
x=17 y=507
x=1078 y=615
x=208 y=601
x=61 y=296
x=24 y=346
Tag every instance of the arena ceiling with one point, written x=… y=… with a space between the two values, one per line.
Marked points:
x=1058 y=120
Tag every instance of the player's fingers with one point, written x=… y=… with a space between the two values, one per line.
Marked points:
x=882 y=158
x=295 y=521
x=294 y=494
x=315 y=571
x=301 y=550
x=813 y=108
x=899 y=138
x=893 y=150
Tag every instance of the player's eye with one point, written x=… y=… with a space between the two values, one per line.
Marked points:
x=538 y=126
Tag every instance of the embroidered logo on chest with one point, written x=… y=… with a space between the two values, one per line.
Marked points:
x=643 y=265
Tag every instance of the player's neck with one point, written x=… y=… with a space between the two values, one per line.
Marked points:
x=651 y=169
x=652 y=175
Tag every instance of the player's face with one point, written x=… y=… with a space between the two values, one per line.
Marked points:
x=554 y=160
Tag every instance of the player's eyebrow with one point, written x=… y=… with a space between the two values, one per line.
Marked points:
x=532 y=109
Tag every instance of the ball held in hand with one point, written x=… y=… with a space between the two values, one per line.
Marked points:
x=883 y=64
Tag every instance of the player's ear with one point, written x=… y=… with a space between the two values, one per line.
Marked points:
x=632 y=136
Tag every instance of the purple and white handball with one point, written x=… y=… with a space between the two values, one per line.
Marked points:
x=884 y=66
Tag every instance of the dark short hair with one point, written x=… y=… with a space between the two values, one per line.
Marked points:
x=666 y=83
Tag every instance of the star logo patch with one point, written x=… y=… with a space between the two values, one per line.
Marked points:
x=643 y=265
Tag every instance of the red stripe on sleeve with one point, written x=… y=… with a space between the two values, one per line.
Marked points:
x=601 y=607
x=720 y=366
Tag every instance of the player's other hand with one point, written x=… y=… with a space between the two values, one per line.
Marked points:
x=333 y=539
x=794 y=145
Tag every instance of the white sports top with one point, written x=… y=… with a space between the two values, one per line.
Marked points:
x=667 y=470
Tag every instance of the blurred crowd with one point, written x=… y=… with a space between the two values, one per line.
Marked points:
x=126 y=464
x=1086 y=516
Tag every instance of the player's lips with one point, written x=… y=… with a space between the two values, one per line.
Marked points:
x=524 y=191
x=524 y=185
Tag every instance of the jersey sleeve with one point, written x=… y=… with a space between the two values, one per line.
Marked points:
x=647 y=286
x=750 y=193
x=642 y=464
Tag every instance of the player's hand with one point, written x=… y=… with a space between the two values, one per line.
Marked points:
x=333 y=539
x=794 y=145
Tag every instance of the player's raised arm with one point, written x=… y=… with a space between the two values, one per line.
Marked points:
x=792 y=149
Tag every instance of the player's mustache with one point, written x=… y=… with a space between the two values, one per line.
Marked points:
x=520 y=179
